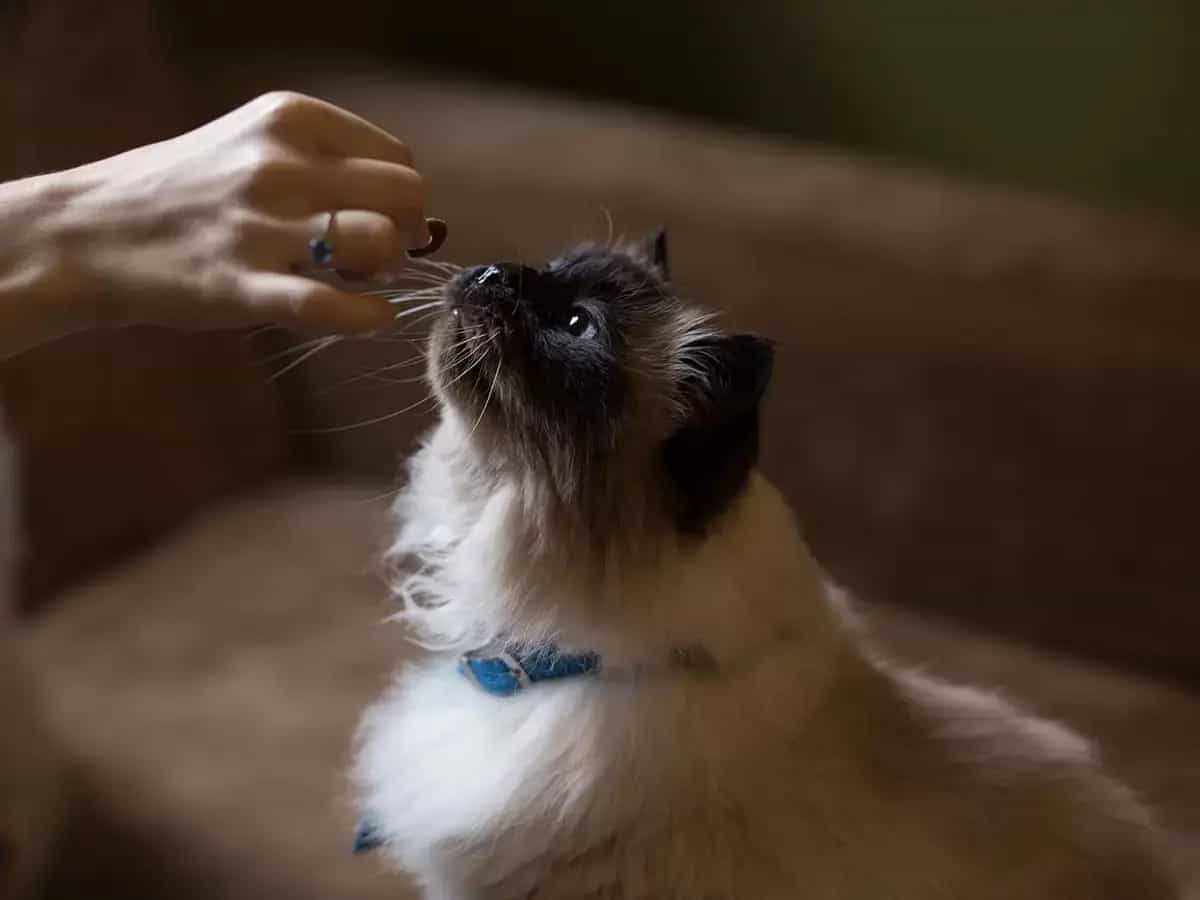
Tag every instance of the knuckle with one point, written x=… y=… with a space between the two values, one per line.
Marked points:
x=223 y=246
x=281 y=111
x=267 y=167
x=218 y=283
x=242 y=228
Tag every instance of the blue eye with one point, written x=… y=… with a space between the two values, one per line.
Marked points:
x=579 y=323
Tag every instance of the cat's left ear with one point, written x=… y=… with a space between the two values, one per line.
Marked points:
x=709 y=458
x=654 y=249
x=727 y=375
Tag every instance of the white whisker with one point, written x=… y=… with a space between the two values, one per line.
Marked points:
x=377 y=374
x=440 y=265
x=425 y=279
x=488 y=399
x=608 y=217
x=424 y=307
x=375 y=421
x=431 y=397
x=432 y=278
x=463 y=355
x=321 y=345
x=474 y=364
x=409 y=296
x=379 y=382
x=415 y=324
x=408 y=291
x=295 y=348
x=261 y=329
x=411 y=283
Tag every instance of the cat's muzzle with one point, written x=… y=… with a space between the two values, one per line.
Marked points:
x=496 y=288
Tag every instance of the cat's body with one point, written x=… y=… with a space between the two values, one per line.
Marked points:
x=788 y=763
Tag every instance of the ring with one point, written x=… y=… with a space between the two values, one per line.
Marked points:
x=319 y=249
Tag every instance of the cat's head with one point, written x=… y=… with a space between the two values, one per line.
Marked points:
x=591 y=378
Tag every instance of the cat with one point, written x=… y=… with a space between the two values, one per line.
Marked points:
x=638 y=683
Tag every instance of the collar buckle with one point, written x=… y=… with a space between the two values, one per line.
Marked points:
x=495 y=671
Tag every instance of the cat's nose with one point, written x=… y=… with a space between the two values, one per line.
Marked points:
x=490 y=275
x=499 y=280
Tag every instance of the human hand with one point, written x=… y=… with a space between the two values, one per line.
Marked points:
x=212 y=228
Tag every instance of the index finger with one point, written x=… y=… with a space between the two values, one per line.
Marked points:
x=331 y=130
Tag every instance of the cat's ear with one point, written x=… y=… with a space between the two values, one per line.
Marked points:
x=725 y=375
x=708 y=459
x=654 y=249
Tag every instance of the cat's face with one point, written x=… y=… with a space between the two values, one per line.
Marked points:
x=590 y=373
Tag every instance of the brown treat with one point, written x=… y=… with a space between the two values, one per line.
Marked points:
x=437 y=237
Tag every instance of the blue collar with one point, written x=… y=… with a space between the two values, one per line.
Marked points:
x=505 y=671
x=501 y=672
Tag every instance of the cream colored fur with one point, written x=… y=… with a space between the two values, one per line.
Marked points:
x=807 y=768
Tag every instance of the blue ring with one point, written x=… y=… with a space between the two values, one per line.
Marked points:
x=319 y=251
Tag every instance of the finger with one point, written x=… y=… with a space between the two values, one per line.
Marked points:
x=309 y=305
x=345 y=134
x=361 y=241
x=316 y=124
x=397 y=192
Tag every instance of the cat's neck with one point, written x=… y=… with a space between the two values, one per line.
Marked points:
x=483 y=574
x=746 y=586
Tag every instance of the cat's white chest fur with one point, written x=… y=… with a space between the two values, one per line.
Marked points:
x=473 y=772
x=485 y=796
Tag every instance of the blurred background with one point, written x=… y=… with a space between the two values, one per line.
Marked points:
x=1093 y=100
x=973 y=229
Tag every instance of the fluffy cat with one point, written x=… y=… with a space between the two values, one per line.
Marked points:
x=716 y=729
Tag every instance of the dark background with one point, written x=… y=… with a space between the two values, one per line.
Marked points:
x=1097 y=100
x=985 y=411
x=989 y=391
